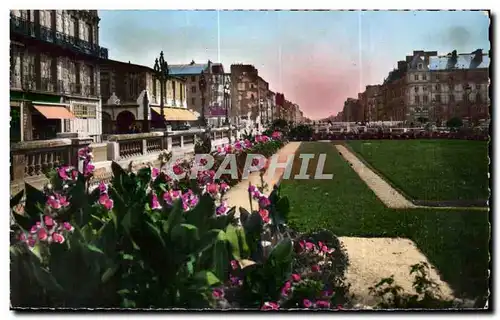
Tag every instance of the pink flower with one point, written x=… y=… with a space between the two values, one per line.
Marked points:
x=238 y=145
x=252 y=188
x=155 y=172
x=103 y=188
x=31 y=242
x=327 y=293
x=68 y=227
x=222 y=209
x=264 y=202
x=264 y=214
x=88 y=169
x=270 y=306
x=106 y=201
x=310 y=246
x=302 y=244
x=322 y=304
x=234 y=264
x=219 y=149
x=218 y=293
x=212 y=188
x=296 y=277
x=315 y=268
x=57 y=238
x=224 y=187
x=42 y=234
x=248 y=144
x=235 y=281
x=34 y=229
x=276 y=135
x=255 y=162
x=63 y=174
x=178 y=169
x=155 y=204
x=306 y=303
x=48 y=221
x=228 y=149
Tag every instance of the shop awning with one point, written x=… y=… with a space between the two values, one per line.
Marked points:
x=55 y=112
x=176 y=114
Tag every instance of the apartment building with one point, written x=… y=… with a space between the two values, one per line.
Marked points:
x=54 y=73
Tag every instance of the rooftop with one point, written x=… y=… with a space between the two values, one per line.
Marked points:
x=464 y=61
x=187 y=69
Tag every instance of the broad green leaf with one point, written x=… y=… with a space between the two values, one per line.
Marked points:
x=156 y=231
x=282 y=251
x=109 y=273
x=207 y=278
x=94 y=248
x=243 y=245
x=185 y=232
x=232 y=237
x=14 y=201
x=174 y=218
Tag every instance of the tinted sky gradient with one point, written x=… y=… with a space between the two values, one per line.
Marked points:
x=317 y=59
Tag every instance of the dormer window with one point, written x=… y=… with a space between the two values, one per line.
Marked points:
x=420 y=66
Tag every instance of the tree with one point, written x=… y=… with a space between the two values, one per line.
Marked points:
x=454 y=123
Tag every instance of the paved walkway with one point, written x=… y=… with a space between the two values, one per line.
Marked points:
x=384 y=191
x=238 y=194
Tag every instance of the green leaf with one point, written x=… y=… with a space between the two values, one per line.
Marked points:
x=109 y=273
x=35 y=201
x=186 y=233
x=207 y=278
x=156 y=231
x=243 y=245
x=283 y=207
x=94 y=248
x=174 y=218
x=232 y=238
x=221 y=256
x=283 y=251
x=14 y=201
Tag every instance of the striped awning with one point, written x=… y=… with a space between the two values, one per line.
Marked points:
x=176 y=114
x=55 y=112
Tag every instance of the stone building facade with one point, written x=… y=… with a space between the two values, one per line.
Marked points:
x=460 y=86
x=54 y=73
x=130 y=90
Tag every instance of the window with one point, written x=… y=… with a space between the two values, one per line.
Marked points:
x=416 y=89
x=75 y=29
x=452 y=97
x=193 y=79
x=438 y=98
x=90 y=33
x=478 y=97
x=478 y=86
x=416 y=77
x=438 y=87
x=84 y=111
x=437 y=77
x=424 y=76
x=420 y=66
x=173 y=90
x=193 y=101
x=426 y=99
x=193 y=89
x=417 y=99
x=424 y=88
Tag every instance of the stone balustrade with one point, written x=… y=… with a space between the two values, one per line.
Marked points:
x=31 y=160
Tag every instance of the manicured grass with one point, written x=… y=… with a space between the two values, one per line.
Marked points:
x=455 y=241
x=430 y=169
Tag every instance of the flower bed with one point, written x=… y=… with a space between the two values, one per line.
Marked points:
x=397 y=136
x=147 y=240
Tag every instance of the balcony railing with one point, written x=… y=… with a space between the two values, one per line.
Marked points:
x=30 y=29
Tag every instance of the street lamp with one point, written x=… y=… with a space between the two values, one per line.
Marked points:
x=161 y=73
x=226 y=100
x=202 y=84
x=468 y=91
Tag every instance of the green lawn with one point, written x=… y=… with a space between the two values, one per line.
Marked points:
x=455 y=241
x=430 y=169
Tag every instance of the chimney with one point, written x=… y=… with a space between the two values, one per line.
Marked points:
x=401 y=64
x=418 y=52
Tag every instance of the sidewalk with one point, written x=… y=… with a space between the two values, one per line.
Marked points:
x=238 y=194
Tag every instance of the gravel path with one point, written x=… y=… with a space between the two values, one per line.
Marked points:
x=384 y=191
x=372 y=259
x=238 y=194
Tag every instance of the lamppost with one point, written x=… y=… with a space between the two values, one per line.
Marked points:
x=161 y=73
x=202 y=84
x=468 y=91
x=226 y=100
